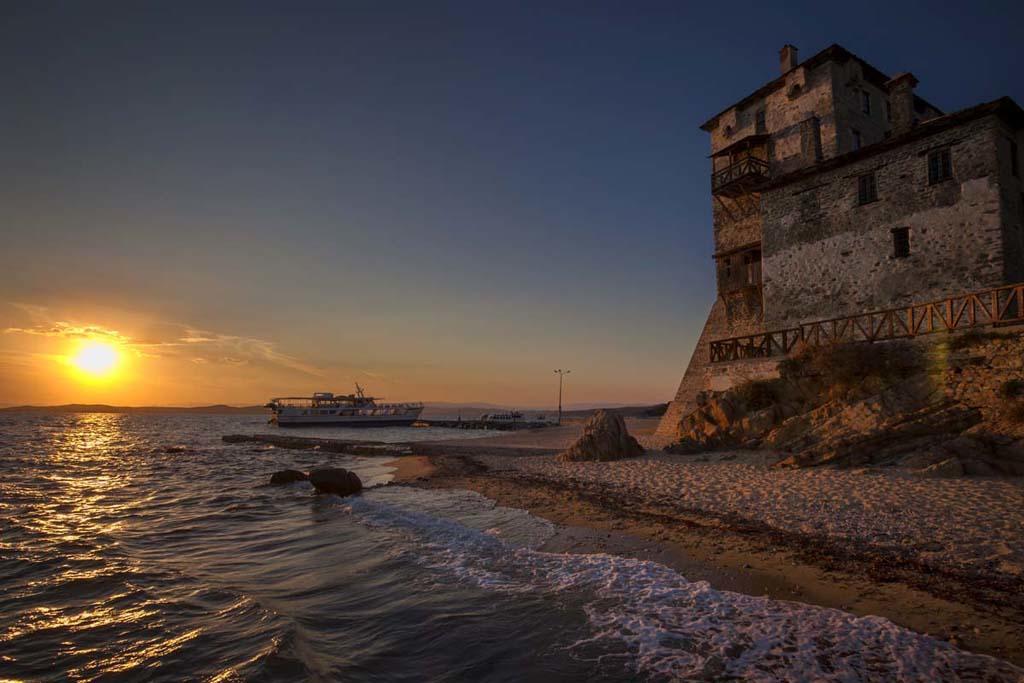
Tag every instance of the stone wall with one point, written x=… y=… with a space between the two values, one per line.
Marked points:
x=805 y=93
x=702 y=375
x=975 y=374
x=847 y=83
x=1011 y=189
x=737 y=221
x=824 y=255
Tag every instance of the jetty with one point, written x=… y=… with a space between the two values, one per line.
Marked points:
x=502 y=426
x=369 y=448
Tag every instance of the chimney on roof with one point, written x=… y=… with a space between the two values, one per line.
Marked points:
x=787 y=58
x=901 y=102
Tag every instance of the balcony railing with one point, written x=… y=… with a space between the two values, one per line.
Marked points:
x=745 y=174
x=1003 y=305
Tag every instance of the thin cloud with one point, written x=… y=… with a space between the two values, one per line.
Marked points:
x=187 y=342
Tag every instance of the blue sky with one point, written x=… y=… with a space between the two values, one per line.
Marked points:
x=445 y=200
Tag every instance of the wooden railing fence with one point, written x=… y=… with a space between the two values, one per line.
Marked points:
x=1002 y=305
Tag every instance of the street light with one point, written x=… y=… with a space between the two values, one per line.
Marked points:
x=561 y=373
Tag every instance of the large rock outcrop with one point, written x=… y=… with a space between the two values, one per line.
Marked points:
x=604 y=438
x=953 y=406
x=336 y=480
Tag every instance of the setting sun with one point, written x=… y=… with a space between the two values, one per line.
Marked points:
x=96 y=359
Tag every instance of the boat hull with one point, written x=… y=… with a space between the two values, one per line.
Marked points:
x=321 y=422
x=290 y=419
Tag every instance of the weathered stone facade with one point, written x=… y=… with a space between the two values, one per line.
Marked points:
x=799 y=237
x=827 y=255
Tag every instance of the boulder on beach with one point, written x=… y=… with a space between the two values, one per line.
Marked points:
x=604 y=438
x=336 y=480
x=288 y=477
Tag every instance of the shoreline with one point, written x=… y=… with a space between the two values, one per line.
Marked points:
x=972 y=612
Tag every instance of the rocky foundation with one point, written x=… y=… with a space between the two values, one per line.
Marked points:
x=948 y=409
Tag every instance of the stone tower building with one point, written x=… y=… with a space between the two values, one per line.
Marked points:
x=836 y=190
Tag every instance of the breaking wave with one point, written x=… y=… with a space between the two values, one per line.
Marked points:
x=659 y=623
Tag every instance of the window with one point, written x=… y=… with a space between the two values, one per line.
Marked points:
x=854 y=139
x=867 y=189
x=940 y=166
x=888 y=111
x=865 y=101
x=1014 y=159
x=759 y=121
x=752 y=267
x=900 y=242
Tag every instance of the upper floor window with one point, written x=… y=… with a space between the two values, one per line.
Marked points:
x=854 y=139
x=900 y=242
x=865 y=101
x=1014 y=159
x=940 y=166
x=867 y=189
x=759 y=121
x=888 y=111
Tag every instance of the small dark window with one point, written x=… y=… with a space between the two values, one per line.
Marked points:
x=888 y=111
x=940 y=166
x=865 y=101
x=752 y=267
x=867 y=189
x=1014 y=159
x=759 y=122
x=900 y=242
x=855 y=138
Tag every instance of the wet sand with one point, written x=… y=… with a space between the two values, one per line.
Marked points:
x=938 y=556
x=411 y=467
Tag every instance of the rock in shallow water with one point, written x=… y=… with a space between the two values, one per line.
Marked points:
x=336 y=480
x=288 y=477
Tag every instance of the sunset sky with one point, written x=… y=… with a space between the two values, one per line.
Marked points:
x=442 y=201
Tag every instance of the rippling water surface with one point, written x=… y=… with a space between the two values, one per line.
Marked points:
x=143 y=548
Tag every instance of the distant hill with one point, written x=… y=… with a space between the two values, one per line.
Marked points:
x=103 y=408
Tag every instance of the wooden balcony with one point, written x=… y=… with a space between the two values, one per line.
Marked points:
x=1000 y=306
x=748 y=174
x=739 y=269
x=741 y=167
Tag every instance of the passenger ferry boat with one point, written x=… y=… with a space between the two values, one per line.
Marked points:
x=351 y=410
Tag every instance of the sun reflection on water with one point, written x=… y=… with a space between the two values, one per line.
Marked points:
x=88 y=463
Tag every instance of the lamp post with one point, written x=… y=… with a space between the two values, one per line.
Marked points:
x=561 y=373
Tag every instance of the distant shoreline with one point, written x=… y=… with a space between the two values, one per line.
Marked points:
x=103 y=408
x=222 y=409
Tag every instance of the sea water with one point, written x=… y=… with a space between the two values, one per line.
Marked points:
x=142 y=547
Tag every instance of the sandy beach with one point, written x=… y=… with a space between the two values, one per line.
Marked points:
x=940 y=556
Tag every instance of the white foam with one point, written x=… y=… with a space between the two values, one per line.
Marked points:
x=668 y=626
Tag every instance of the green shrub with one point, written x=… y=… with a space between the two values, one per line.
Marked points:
x=849 y=365
x=1016 y=411
x=973 y=338
x=1012 y=388
x=759 y=394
